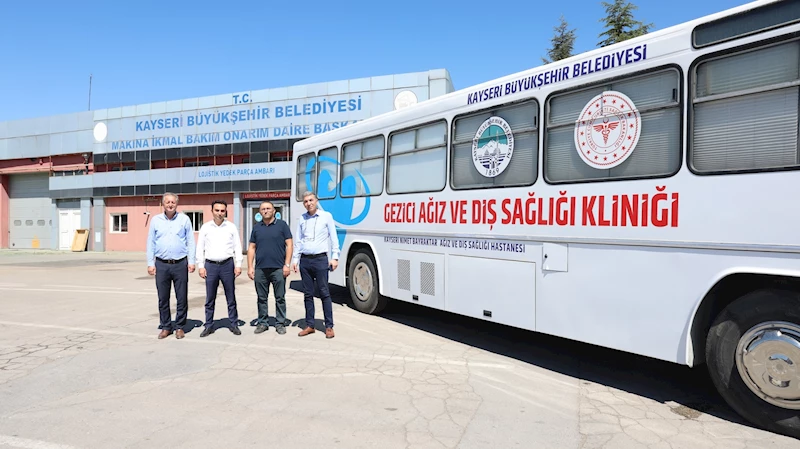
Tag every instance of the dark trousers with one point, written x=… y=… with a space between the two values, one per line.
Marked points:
x=167 y=275
x=214 y=274
x=265 y=277
x=316 y=270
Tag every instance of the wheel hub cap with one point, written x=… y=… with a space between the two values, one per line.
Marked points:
x=767 y=358
x=362 y=281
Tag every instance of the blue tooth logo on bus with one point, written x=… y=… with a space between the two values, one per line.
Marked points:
x=341 y=208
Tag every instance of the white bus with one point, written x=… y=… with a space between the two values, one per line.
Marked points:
x=641 y=197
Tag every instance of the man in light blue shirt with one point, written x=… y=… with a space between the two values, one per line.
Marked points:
x=316 y=235
x=170 y=258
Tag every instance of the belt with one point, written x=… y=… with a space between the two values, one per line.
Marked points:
x=313 y=256
x=171 y=261
x=219 y=262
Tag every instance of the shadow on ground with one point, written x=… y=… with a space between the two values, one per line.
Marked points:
x=688 y=392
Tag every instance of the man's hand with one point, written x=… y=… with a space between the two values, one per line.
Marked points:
x=251 y=273
x=237 y=272
x=334 y=264
x=285 y=271
x=294 y=267
x=203 y=273
x=151 y=271
x=191 y=268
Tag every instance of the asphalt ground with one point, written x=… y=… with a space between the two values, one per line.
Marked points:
x=81 y=367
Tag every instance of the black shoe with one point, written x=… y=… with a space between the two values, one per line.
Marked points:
x=207 y=331
x=261 y=328
x=280 y=329
x=235 y=330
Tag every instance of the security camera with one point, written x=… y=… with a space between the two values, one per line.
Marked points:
x=147 y=213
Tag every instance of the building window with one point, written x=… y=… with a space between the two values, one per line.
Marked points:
x=197 y=220
x=119 y=223
x=306 y=173
x=326 y=177
x=278 y=157
x=522 y=141
x=418 y=159
x=745 y=111
x=69 y=173
x=658 y=151
x=196 y=164
x=362 y=168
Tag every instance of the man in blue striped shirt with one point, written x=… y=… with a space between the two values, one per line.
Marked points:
x=170 y=258
x=316 y=235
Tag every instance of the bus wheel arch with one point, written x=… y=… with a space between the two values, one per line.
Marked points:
x=364 y=279
x=726 y=290
x=747 y=332
x=752 y=355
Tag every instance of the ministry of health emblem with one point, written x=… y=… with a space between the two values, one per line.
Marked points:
x=607 y=130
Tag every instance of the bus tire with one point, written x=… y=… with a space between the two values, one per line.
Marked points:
x=364 y=287
x=753 y=353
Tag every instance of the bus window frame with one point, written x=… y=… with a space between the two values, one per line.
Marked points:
x=417 y=150
x=537 y=127
x=335 y=172
x=692 y=78
x=385 y=164
x=733 y=17
x=298 y=193
x=610 y=80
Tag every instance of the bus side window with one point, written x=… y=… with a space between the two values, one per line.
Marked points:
x=328 y=167
x=306 y=175
x=362 y=168
x=497 y=147
x=654 y=95
x=418 y=159
x=745 y=110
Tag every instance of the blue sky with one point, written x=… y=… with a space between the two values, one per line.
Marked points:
x=148 y=51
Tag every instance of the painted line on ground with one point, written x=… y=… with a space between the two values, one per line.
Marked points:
x=80 y=286
x=22 y=267
x=109 y=292
x=363 y=355
x=24 y=443
x=538 y=402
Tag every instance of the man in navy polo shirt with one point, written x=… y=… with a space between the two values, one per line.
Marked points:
x=271 y=247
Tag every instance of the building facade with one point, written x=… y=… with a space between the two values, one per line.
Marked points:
x=106 y=170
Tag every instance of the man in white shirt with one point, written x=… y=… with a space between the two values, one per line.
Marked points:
x=219 y=258
x=316 y=235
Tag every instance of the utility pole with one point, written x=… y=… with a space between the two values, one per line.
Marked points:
x=90 y=92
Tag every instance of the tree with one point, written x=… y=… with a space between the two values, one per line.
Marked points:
x=619 y=23
x=562 y=42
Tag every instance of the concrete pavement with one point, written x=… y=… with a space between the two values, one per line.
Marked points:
x=81 y=367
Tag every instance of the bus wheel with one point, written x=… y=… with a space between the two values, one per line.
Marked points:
x=364 y=284
x=753 y=357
